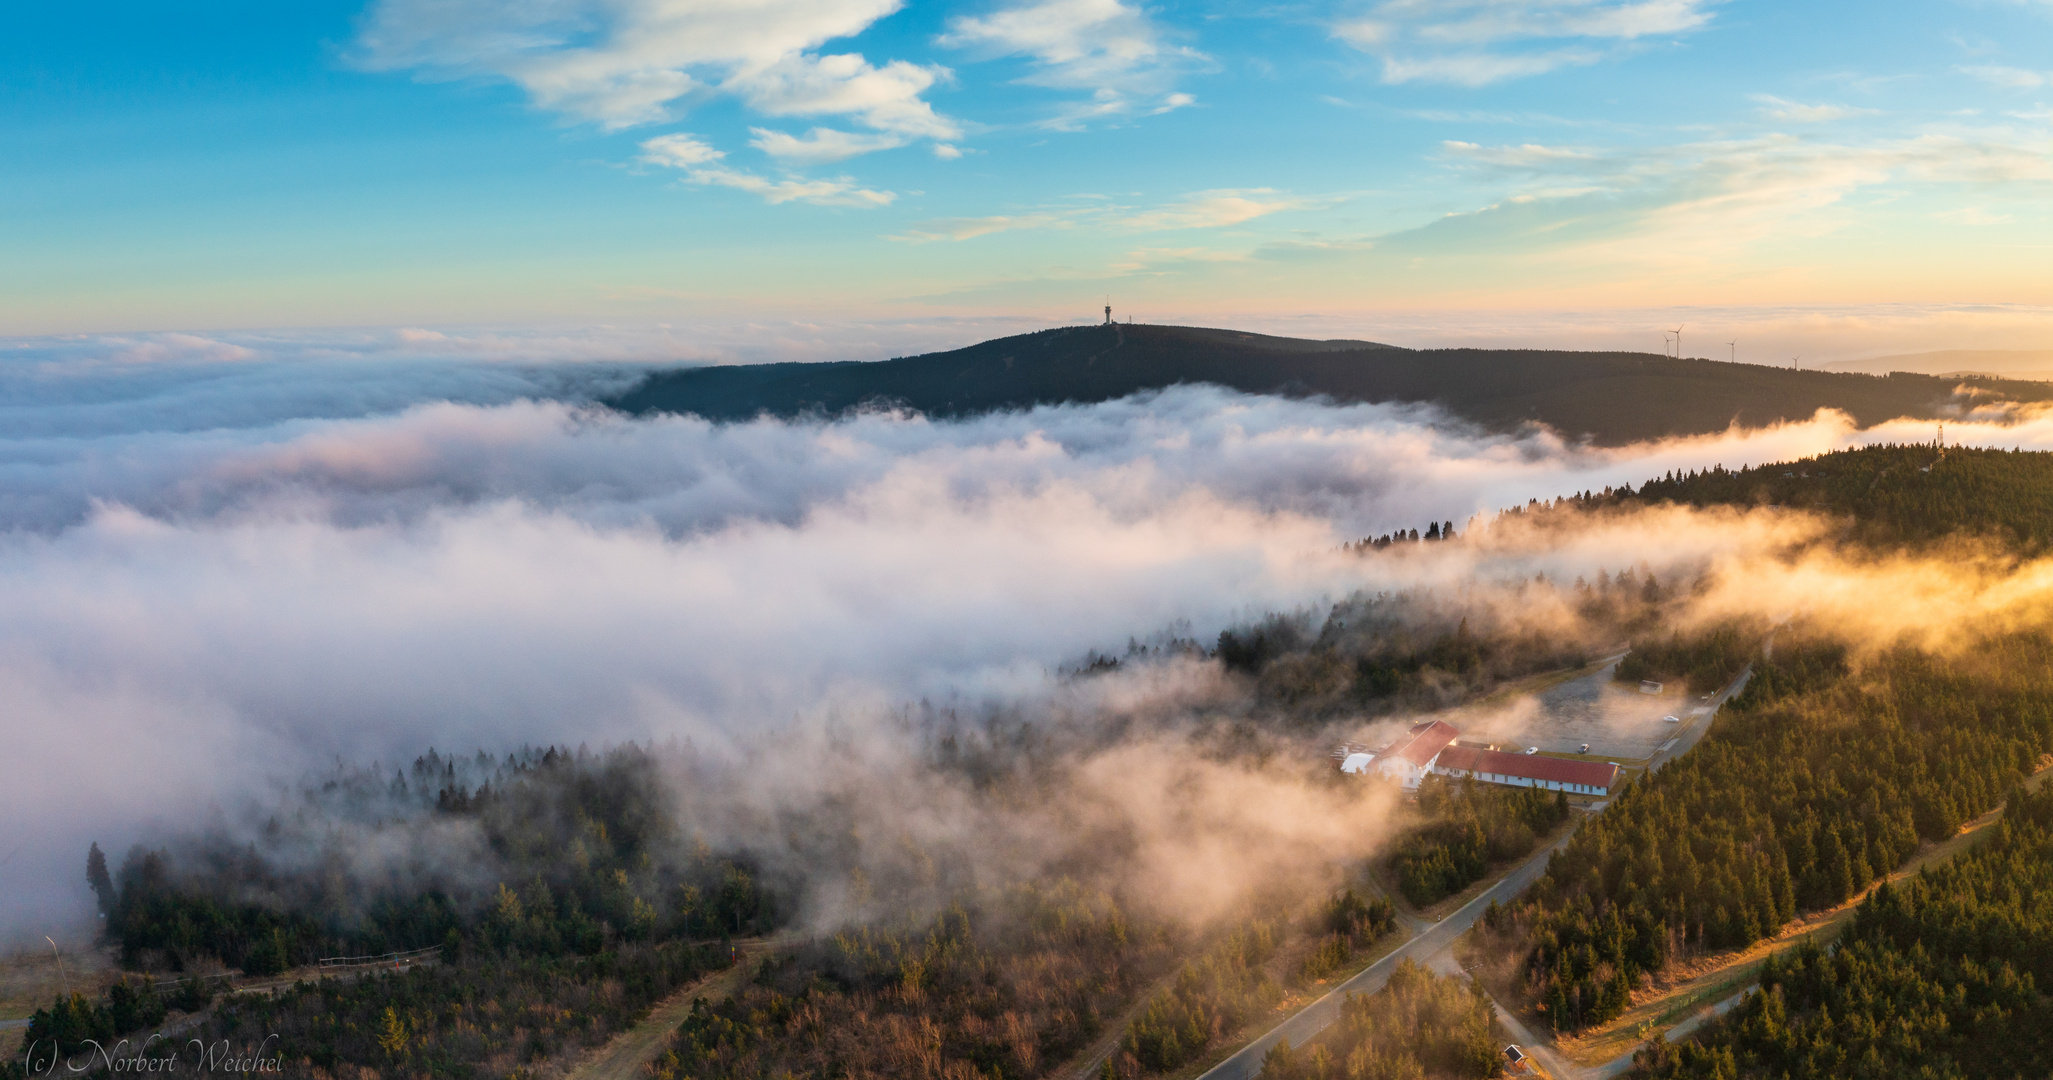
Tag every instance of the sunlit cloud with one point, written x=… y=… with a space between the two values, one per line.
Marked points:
x=1776 y=108
x=820 y=145
x=1697 y=200
x=1215 y=209
x=1479 y=42
x=700 y=164
x=634 y=62
x=2009 y=78
x=1111 y=49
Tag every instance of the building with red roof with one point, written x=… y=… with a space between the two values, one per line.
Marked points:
x=1527 y=770
x=1410 y=758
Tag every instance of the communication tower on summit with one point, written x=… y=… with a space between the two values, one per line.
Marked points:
x=1108 y=314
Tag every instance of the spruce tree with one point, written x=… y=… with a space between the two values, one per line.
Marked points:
x=96 y=876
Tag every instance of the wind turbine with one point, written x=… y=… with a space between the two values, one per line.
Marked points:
x=1733 y=353
x=1792 y=362
x=1678 y=341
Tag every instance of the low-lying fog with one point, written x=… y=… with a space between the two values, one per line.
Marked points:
x=220 y=571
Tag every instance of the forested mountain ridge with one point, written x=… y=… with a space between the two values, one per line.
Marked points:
x=1888 y=495
x=1609 y=397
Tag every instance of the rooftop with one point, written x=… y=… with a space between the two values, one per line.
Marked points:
x=1596 y=774
x=1422 y=742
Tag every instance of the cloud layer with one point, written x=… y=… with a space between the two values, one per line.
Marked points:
x=190 y=608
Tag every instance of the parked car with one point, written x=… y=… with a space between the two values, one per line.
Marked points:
x=1672 y=719
x=1585 y=749
x=1532 y=749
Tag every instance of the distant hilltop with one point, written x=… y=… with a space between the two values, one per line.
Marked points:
x=1609 y=398
x=2033 y=364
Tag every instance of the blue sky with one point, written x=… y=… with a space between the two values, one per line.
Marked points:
x=464 y=161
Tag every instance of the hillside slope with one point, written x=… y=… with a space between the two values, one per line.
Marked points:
x=1610 y=398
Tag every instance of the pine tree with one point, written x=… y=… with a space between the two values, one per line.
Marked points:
x=97 y=877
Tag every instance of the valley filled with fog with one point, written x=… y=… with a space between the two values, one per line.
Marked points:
x=220 y=573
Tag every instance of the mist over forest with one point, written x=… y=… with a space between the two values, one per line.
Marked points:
x=993 y=720
x=199 y=611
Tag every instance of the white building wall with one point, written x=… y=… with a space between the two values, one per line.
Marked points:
x=1516 y=781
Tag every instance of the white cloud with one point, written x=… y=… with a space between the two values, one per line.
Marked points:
x=1528 y=157
x=886 y=98
x=926 y=232
x=1478 y=42
x=1797 y=112
x=1700 y=201
x=1198 y=210
x=819 y=145
x=2009 y=78
x=699 y=163
x=1214 y=209
x=623 y=63
x=840 y=192
x=1107 y=47
x=1161 y=260
x=1975 y=215
x=679 y=151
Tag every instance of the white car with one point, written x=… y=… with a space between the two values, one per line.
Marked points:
x=1532 y=749
x=1671 y=719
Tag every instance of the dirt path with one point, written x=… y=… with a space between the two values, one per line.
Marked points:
x=1087 y=1062
x=624 y=1055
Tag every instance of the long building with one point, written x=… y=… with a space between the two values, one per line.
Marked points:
x=1527 y=770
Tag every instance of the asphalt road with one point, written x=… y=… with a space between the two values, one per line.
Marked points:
x=1439 y=938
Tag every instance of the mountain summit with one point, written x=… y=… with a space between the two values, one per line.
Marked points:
x=1610 y=398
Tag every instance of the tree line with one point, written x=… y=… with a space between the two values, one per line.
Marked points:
x=585 y=852
x=1885 y=496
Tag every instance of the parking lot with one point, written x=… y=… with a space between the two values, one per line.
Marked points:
x=1617 y=721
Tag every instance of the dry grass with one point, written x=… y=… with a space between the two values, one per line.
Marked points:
x=30 y=979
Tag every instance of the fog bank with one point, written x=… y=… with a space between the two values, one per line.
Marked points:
x=226 y=579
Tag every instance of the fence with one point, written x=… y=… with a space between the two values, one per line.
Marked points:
x=395 y=958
